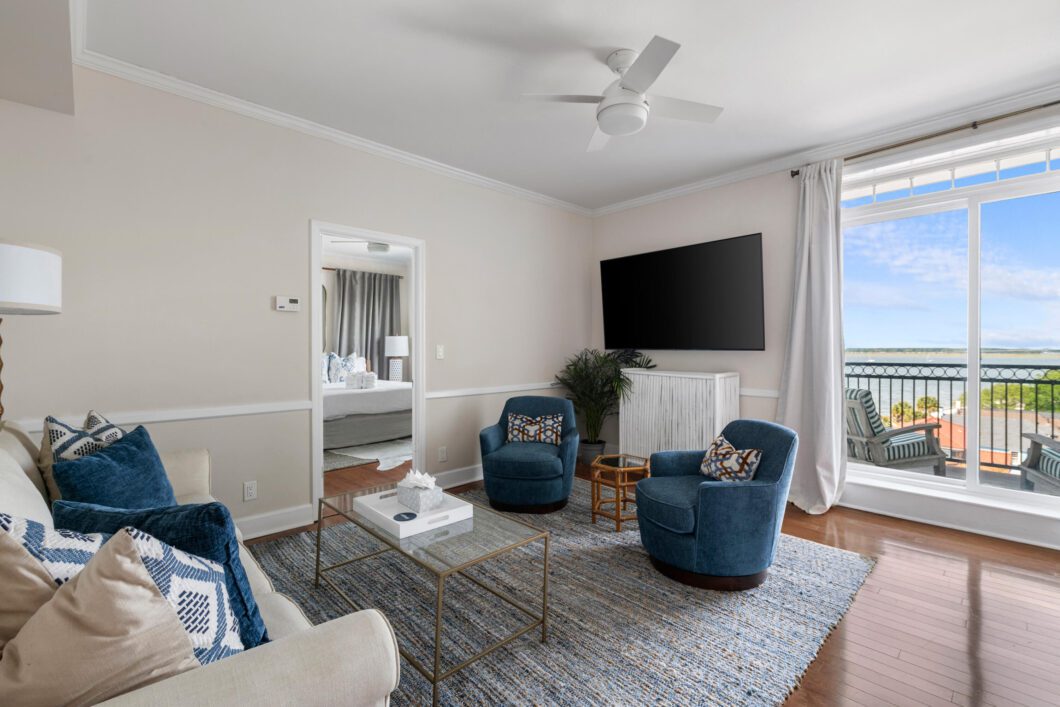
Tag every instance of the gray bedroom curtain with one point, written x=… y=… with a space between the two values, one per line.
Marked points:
x=367 y=310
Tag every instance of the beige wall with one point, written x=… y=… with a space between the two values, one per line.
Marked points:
x=768 y=205
x=154 y=199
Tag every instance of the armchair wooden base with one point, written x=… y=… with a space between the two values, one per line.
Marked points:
x=708 y=581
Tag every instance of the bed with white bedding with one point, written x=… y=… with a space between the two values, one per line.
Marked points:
x=355 y=416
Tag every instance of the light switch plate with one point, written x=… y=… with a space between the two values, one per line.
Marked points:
x=439 y=351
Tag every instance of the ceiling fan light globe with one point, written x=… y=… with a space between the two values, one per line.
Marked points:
x=622 y=118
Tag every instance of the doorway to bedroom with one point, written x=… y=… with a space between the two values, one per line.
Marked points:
x=367 y=353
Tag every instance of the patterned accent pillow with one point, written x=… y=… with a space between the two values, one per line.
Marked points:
x=62 y=553
x=724 y=462
x=65 y=442
x=325 y=366
x=547 y=428
x=340 y=368
x=195 y=587
x=36 y=561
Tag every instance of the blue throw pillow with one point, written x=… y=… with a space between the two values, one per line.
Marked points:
x=203 y=529
x=127 y=474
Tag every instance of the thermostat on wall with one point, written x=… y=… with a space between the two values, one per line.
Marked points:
x=288 y=304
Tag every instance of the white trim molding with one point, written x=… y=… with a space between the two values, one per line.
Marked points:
x=489 y=390
x=759 y=393
x=148 y=417
x=418 y=331
x=276 y=521
x=458 y=477
x=83 y=56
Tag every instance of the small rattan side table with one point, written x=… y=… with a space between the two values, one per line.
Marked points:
x=620 y=473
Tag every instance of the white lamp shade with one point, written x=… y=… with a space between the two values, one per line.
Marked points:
x=31 y=279
x=397 y=346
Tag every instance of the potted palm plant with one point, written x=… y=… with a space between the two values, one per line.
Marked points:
x=595 y=386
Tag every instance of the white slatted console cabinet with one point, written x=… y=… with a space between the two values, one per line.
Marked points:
x=676 y=410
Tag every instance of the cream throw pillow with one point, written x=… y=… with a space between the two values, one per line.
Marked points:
x=35 y=560
x=105 y=632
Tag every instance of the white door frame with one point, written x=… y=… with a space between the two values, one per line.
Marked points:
x=418 y=330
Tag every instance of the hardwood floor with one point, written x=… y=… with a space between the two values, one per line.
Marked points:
x=945 y=617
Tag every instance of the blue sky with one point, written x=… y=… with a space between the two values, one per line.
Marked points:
x=906 y=281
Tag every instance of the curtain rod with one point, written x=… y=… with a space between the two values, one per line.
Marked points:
x=400 y=277
x=974 y=125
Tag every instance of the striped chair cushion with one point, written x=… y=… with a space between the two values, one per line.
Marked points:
x=1049 y=462
x=875 y=423
x=906 y=446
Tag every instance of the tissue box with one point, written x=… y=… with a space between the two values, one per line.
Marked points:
x=418 y=499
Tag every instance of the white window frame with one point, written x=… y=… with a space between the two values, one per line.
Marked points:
x=971 y=198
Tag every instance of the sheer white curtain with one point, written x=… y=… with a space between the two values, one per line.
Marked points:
x=811 y=389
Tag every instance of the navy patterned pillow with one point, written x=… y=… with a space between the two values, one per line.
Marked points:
x=195 y=588
x=724 y=462
x=547 y=428
x=62 y=553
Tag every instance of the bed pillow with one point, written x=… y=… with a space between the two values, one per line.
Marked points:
x=127 y=474
x=35 y=560
x=65 y=442
x=340 y=368
x=547 y=429
x=139 y=612
x=203 y=529
x=724 y=462
x=325 y=360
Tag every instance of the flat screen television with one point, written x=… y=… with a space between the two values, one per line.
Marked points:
x=706 y=296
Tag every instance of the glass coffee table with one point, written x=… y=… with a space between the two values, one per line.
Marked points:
x=443 y=552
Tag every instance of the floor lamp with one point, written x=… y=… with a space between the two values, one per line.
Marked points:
x=395 y=348
x=31 y=282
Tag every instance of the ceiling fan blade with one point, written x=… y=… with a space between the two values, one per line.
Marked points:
x=649 y=64
x=561 y=98
x=598 y=141
x=683 y=110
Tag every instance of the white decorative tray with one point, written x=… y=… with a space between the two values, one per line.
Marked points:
x=380 y=508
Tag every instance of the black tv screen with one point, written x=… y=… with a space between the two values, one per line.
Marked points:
x=703 y=296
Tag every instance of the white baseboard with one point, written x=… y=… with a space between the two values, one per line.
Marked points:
x=458 y=477
x=276 y=521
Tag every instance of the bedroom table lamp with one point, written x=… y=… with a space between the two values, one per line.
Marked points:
x=396 y=347
x=31 y=282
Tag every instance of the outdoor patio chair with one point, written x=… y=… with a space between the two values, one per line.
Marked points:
x=868 y=440
x=1040 y=471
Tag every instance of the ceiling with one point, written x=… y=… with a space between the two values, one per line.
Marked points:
x=442 y=78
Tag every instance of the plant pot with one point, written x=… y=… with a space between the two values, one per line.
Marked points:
x=589 y=451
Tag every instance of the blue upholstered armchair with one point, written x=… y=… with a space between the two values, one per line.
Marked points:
x=529 y=477
x=717 y=534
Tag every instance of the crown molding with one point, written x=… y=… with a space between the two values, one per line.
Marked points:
x=116 y=67
x=795 y=160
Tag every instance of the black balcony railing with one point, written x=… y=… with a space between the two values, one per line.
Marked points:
x=1015 y=399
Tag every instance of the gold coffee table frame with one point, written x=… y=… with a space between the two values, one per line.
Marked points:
x=442 y=568
x=613 y=471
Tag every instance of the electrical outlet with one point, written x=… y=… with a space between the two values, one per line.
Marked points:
x=439 y=351
x=250 y=490
x=443 y=454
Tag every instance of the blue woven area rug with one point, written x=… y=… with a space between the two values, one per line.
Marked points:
x=620 y=633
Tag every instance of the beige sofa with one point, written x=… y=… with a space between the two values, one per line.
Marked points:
x=352 y=660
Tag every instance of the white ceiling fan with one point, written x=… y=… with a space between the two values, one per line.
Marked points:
x=624 y=107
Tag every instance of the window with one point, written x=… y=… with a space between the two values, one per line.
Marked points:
x=952 y=316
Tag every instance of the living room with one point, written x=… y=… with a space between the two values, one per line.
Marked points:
x=175 y=166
